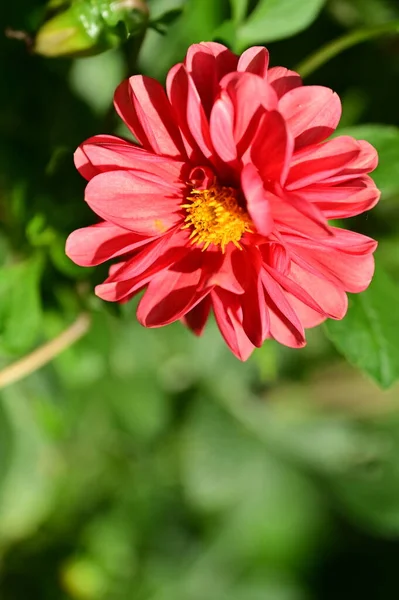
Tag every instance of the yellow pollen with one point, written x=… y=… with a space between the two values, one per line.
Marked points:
x=215 y=217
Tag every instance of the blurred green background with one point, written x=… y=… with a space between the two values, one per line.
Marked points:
x=148 y=464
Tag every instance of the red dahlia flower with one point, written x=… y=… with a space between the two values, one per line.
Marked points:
x=224 y=203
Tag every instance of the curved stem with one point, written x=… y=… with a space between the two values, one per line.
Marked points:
x=327 y=52
x=43 y=355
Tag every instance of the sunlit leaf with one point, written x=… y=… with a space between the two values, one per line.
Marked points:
x=277 y=19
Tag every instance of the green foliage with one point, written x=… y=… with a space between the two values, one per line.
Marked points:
x=368 y=336
x=20 y=304
x=276 y=19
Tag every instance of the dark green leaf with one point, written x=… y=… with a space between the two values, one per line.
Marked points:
x=368 y=335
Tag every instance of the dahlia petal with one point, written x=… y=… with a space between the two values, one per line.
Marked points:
x=250 y=96
x=94 y=245
x=228 y=316
x=283 y=80
x=158 y=254
x=330 y=296
x=255 y=320
x=206 y=65
x=226 y=60
x=119 y=291
x=307 y=315
x=144 y=107
x=346 y=257
x=365 y=162
x=294 y=215
x=342 y=200
x=232 y=274
x=141 y=203
x=291 y=287
x=169 y=296
x=109 y=153
x=197 y=317
x=312 y=113
x=189 y=113
x=254 y=60
x=285 y=326
x=258 y=204
x=322 y=161
x=274 y=254
x=272 y=147
x=222 y=127
x=130 y=276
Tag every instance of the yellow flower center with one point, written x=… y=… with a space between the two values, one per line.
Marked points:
x=215 y=217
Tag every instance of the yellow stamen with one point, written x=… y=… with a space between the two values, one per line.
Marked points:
x=215 y=217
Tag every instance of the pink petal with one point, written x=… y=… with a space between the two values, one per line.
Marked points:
x=132 y=275
x=258 y=204
x=365 y=162
x=272 y=147
x=222 y=128
x=291 y=287
x=141 y=203
x=169 y=296
x=329 y=296
x=225 y=60
x=282 y=80
x=142 y=104
x=312 y=113
x=197 y=317
x=189 y=113
x=228 y=315
x=254 y=60
x=295 y=215
x=108 y=153
x=307 y=315
x=207 y=63
x=93 y=245
x=285 y=326
x=233 y=272
x=319 y=162
x=255 y=321
x=250 y=96
x=346 y=258
x=342 y=200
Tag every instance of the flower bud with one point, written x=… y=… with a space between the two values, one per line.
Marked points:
x=88 y=27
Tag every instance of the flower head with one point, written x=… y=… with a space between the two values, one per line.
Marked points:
x=224 y=204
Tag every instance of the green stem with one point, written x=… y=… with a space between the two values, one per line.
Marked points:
x=327 y=52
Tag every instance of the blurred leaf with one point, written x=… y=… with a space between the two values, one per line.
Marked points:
x=94 y=79
x=20 y=304
x=385 y=138
x=276 y=19
x=369 y=490
x=197 y=23
x=368 y=335
x=219 y=458
x=166 y=19
x=26 y=493
x=239 y=9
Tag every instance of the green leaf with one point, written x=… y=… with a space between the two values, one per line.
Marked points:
x=20 y=304
x=385 y=138
x=368 y=335
x=239 y=9
x=277 y=19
